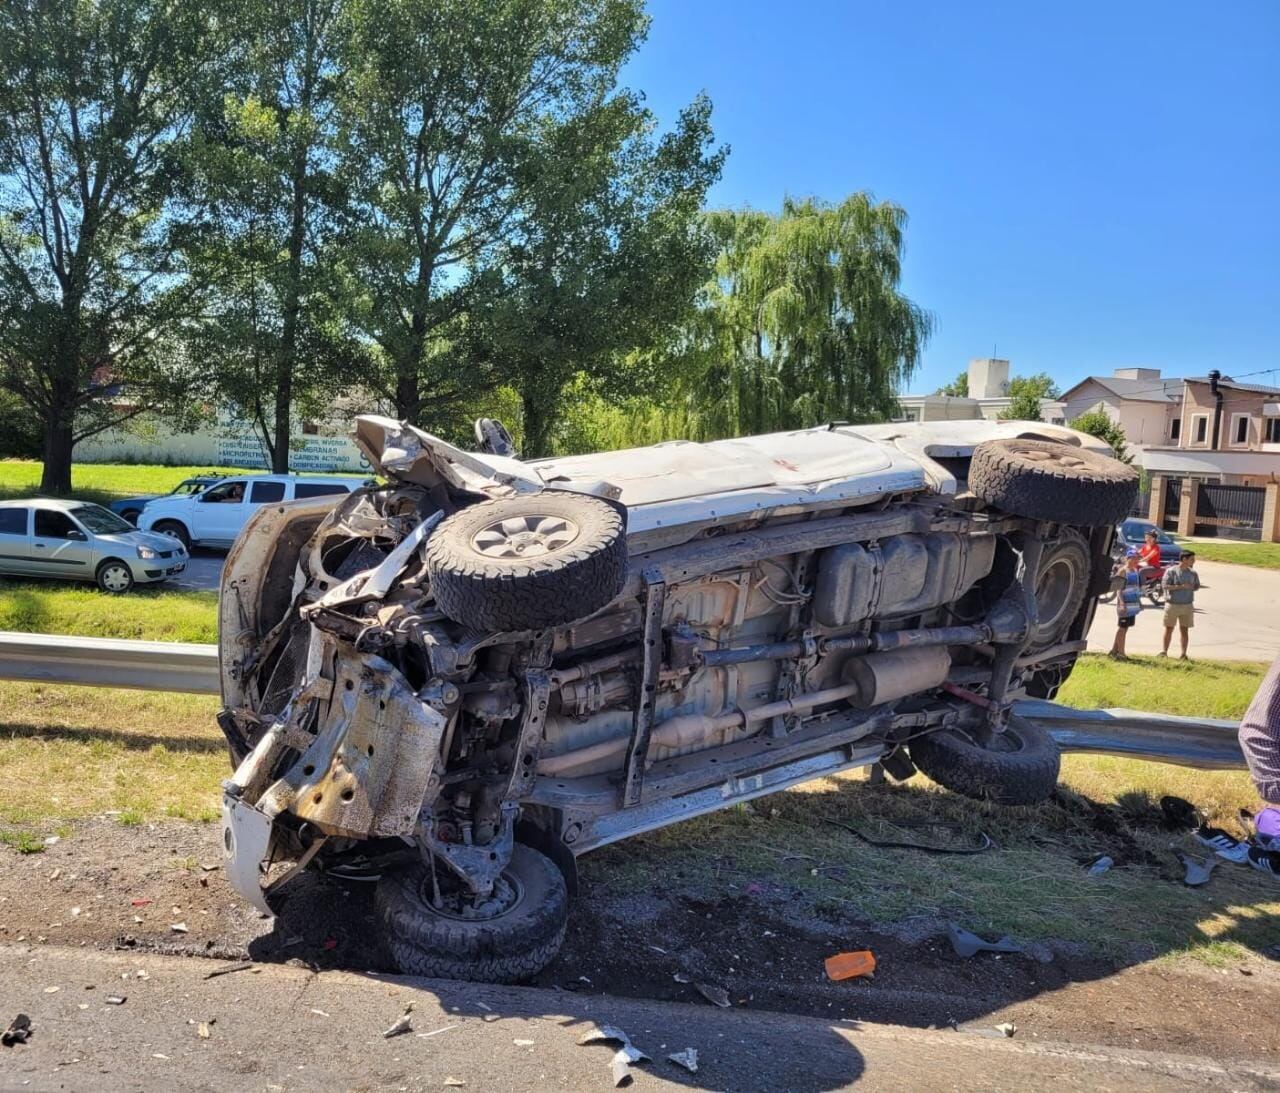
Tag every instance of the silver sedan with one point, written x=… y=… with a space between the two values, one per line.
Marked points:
x=81 y=541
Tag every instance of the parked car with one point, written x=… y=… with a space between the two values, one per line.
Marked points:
x=214 y=516
x=1131 y=533
x=79 y=541
x=131 y=507
x=459 y=682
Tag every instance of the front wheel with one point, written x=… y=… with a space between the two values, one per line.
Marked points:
x=114 y=576
x=508 y=936
x=1017 y=767
x=174 y=530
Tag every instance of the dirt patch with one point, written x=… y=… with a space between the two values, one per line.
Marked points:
x=763 y=941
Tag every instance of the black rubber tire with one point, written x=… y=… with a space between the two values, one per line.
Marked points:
x=508 y=949
x=176 y=528
x=113 y=564
x=131 y=515
x=1048 y=480
x=1065 y=570
x=1025 y=775
x=560 y=586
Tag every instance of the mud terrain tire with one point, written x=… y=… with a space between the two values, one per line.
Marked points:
x=1049 y=480
x=509 y=948
x=526 y=563
x=1020 y=769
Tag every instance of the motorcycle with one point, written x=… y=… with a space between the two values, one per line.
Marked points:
x=1151 y=586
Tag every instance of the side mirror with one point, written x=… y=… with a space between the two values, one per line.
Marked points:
x=77 y=536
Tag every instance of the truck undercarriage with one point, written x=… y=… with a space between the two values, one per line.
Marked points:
x=460 y=681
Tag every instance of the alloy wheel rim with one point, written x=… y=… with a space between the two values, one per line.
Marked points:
x=116 y=578
x=525 y=536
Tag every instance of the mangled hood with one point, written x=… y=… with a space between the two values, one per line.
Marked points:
x=404 y=453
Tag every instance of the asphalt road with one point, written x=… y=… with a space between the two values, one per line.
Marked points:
x=1235 y=617
x=203 y=571
x=281 y=1028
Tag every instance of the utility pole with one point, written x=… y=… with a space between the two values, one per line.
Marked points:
x=1216 y=391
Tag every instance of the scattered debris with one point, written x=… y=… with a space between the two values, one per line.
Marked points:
x=984 y=843
x=55 y=874
x=52 y=840
x=435 y=1031
x=688 y=1058
x=717 y=996
x=624 y=1058
x=523 y=1043
x=202 y=1030
x=142 y=973
x=1008 y=1028
x=489 y=1017
x=967 y=944
x=1197 y=872
x=18 y=1032
x=139 y=902
x=1100 y=866
x=52 y=990
x=115 y=1000
x=319 y=1013
x=681 y=977
x=454 y=1081
x=179 y=927
x=487 y=1009
x=861 y=962
x=403 y=1024
x=227 y=969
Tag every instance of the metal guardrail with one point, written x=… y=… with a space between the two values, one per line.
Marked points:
x=180 y=666
x=110 y=662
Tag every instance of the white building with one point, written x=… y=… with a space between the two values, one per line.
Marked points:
x=988 y=398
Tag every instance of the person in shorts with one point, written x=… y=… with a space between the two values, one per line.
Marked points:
x=1181 y=583
x=1127 y=580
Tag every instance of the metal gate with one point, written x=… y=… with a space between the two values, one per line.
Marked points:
x=1231 y=512
x=1172 y=503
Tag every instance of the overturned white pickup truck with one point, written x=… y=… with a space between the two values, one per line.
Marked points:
x=461 y=680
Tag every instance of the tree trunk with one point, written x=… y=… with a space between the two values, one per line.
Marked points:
x=58 y=445
x=408 y=397
x=537 y=428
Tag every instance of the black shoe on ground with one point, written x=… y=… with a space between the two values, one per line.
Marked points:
x=1265 y=861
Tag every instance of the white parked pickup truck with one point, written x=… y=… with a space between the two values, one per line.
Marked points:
x=217 y=515
x=460 y=681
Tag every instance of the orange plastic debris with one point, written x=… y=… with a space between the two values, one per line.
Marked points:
x=850 y=965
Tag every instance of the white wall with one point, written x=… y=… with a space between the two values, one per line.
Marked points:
x=225 y=443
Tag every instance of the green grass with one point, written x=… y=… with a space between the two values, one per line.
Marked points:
x=145 y=613
x=71 y=752
x=1258 y=555
x=102 y=482
x=1201 y=688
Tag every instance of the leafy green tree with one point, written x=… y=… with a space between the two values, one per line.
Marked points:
x=804 y=321
x=1040 y=385
x=608 y=257
x=462 y=121
x=95 y=101
x=264 y=160
x=957 y=388
x=1098 y=423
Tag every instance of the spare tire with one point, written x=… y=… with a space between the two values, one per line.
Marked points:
x=526 y=563
x=1049 y=480
x=1018 y=767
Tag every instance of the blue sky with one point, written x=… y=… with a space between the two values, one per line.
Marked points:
x=1089 y=185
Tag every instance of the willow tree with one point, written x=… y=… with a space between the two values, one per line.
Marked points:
x=805 y=321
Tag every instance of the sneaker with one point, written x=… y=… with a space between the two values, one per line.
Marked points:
x=1265 y=861
x=1162 y=653
x=1266 y=829
x=1222 y=844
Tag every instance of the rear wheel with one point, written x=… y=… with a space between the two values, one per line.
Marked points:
x=1016 y=767
x=131 y=515
x=175 y=530
x=508 y=936
x=114 y=576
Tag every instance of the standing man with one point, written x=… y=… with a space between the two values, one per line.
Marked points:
x=1180 y=587
x=1260 y=742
